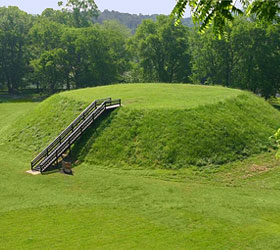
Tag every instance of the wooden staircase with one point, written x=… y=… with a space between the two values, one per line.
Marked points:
x=70 y=135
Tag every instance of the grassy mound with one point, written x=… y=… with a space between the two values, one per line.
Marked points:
x=235 y=206
x=159 y=125
x=156 y=96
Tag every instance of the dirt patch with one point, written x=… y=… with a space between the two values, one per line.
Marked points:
x=254 y=170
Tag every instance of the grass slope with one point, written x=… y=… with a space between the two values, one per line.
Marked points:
x=35 y=130
x=234 y=206
x=9 y=112
x=202 y=126
x=212 y=134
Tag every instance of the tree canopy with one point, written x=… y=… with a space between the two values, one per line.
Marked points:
x=162 y=50
x=14 y=27
x=218 y=12
x=58 y=50
x=83 y=11
x=248 y=58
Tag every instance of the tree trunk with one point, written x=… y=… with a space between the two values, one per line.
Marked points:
x=67 y=82
x=37 y=86
x=10 y=88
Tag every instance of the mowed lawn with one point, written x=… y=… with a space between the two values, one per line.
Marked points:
x=236 y=206
x=11 y=111
x=151 y=96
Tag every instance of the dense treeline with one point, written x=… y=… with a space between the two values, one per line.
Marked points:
x=248 y=58
x=41 y=51
x=67 y=49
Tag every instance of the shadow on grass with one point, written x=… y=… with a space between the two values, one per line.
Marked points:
x=82 y=146
x=277 y=106
x=275 y=102
x=22 y=97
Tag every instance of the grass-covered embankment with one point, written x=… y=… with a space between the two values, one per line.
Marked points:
x=233 y=206
x=36 y=129
x=159 y=125
x=173 y=126
x=212 y=134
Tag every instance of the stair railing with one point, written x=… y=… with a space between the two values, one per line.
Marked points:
x=64 y=141
x=60 y=138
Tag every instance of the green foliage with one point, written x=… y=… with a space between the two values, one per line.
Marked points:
x=45 y=35
x=100 y=56
x=14 y=56
x=277 y=139
x=75 y=58
x=265 y=10
x=63 y=49
x=211 y=59
x=116 y=36
x=50 y=69
x=218 y=13
x=82 y=11
x=248 y=58
x=62 y=17
x=162 y=50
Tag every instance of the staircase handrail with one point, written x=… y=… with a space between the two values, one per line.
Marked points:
x=61 y=137
x=76 y=132
x=67 y=142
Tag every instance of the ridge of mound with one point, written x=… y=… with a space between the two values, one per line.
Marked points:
x=202 y=126
x=155 y=95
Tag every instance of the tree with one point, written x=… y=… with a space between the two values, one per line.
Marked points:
x=95 y=55
x=218 y=12
x=14 y=55
x=45 y=35
x=58 y=16
x=95 y=63
x=211 y=59
x=248 y=58
x=256 y=57
x=162 y=50
x=117 y=36
x=49 y=69
x=83 y=11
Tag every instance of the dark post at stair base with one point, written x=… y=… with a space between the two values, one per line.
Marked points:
x=67 y=167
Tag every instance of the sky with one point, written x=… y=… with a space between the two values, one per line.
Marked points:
x=127 y=6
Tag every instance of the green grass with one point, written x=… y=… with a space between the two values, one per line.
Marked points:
x=206 y=135
x=145 y=209
x=151 y=96
x=9 y=112
x=233 y=206
x=202 y=126
x=39 y=127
